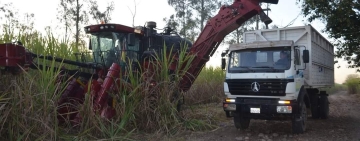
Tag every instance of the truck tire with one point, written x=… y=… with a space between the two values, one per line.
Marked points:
x=241 y=122
x=324 y=107
x=315 y=106
x=299 y=123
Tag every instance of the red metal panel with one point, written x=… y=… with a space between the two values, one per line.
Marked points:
x=12 y=55
x=111 y=28
x=66 y=109
x=101 y=97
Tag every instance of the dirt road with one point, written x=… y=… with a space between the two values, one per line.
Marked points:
x=343 y=124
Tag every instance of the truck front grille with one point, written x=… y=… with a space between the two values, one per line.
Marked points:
x=258 y=87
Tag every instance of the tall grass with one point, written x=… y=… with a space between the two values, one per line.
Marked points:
x=336 y=88
x=28 y=102
x=207 y=88
x=353 y=83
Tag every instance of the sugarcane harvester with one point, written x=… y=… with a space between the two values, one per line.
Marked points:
x=111 y=42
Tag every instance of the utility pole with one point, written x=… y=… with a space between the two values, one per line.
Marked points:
x=267 y=13
x=258 y=19
x=257 y=22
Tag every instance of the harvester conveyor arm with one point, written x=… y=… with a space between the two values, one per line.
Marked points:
x=74 y=73
x=84 y=65
x=228 y=19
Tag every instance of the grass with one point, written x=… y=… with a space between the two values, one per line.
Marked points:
x=353 y=83
x=207 y=88
x=28 y=103
x=336 y=88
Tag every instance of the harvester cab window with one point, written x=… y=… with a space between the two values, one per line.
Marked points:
x=111 y=47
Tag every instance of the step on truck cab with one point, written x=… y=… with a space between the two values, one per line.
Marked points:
x=277 y=74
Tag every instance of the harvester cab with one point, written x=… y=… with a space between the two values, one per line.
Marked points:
x=114 y=43
x=123 y=45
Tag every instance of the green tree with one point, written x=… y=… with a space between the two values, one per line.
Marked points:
x=97 y=15
x=341 y=18
x=73 y=13
x=352 y=81
x=64 y=17
x=170 y=22
x=184 y=18
x=133 y=13
x=205 y=9
x=236 y=35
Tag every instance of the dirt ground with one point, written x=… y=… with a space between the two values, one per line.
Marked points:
x=343 y=124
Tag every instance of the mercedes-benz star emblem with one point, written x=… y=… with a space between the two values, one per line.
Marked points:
x=255 y=86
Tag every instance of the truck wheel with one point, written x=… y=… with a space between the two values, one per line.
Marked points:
x=315 y=106
x=299 y=123
x=241 y=122
x=324 y=107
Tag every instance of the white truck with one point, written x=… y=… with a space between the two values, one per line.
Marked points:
x=276 y=74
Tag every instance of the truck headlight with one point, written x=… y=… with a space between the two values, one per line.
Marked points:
x=230 y=100
x=284 y=102
x=284 y=109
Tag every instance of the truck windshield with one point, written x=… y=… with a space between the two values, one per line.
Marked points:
x=260 y=60
x=111 y=47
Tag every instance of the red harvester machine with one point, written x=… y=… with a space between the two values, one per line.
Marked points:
x=110 y=42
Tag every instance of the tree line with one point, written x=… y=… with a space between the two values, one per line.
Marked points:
x=340 y=18
x=73 y=15
x=189 y=18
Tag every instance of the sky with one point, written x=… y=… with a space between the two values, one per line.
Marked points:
x=284 y=12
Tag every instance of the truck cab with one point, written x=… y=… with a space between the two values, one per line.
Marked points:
x=269 y=68
x=273 y=76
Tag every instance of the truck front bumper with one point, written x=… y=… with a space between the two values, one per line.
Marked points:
x=264 y=108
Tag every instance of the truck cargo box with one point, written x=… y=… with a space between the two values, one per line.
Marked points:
x=320 y=69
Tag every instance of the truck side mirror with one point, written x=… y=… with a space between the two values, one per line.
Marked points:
x=223 y=63
x=90 y=47
x=224 y=53
x=131 y=39
x=306 y=56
